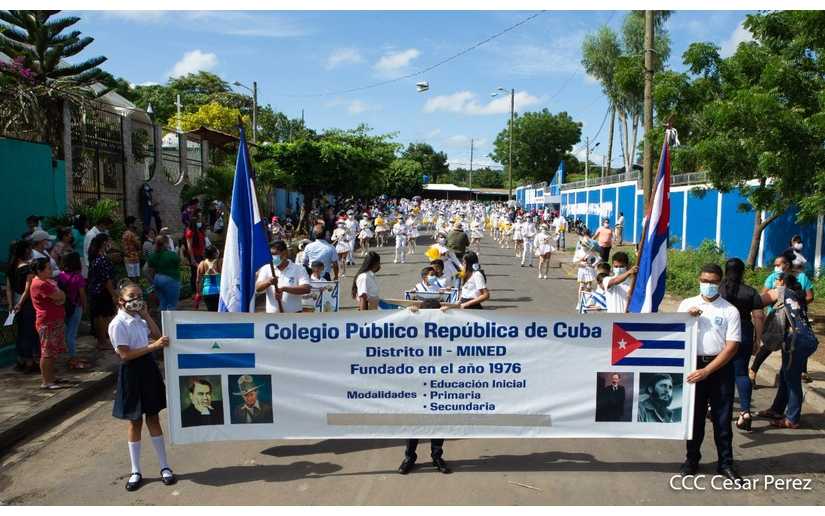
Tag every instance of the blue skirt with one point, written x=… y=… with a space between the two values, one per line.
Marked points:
x=140 y=389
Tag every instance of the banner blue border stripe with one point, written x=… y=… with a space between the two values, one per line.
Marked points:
x=651 y=361
x=215 y=331
x=216 y=360
x=663 y=344
x=671 y=327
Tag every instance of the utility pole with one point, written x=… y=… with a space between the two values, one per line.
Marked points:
x=647 y=173
x=586 y=159
x=254 y=112
x=510 y=159
x=178 y=105
x=604 y=165
x=471 y=164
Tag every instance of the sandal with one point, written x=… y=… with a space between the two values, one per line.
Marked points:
x=806 y=378
x=744 y=421
x=51 y=386
x=770 y=414
x=784 y=423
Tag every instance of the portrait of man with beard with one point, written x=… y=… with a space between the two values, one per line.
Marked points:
x=656 y=394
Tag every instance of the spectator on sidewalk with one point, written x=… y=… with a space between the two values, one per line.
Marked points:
x=619 y=237
x=164 y=273
x=62 y=246
x=131 y=249
x=72 y=282
x=48 y=301
x=79 y=228
x=101 y=288
x=195 y=238
x=41 y=243
x=18 y=296
x=209 y=278
x=103 y=226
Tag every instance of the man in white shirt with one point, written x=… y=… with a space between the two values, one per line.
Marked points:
x=290 y=283
x=718 y=337
x=617 y=287
x=40 y=245
x=102 y=226
x=619 y=229
x=560 y=224
x=528 y=231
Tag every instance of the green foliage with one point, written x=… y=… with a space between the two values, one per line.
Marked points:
x=403 y=178
x=482 y=178
x=683 y=267
x=433 y=164
x=540 y=140
x=215 y=184
x=45 y=46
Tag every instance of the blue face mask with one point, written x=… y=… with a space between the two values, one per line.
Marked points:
x=432 y=280
x=709 y=290
x=276 y=260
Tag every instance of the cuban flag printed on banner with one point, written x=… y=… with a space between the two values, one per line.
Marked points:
x=649 y=288
x=648 y=344
x=246 y=249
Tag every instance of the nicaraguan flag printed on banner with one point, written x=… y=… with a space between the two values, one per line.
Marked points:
x=246 y=249
x=650 y=282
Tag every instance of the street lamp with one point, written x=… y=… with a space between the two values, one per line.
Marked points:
x=254 y=90
x=500 y=91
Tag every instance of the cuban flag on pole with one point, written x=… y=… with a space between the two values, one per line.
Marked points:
x=649 y=288
x=246 y=249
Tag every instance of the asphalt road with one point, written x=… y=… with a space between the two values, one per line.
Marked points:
x=84 y=459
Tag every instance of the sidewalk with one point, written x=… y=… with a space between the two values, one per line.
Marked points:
x=769 y=372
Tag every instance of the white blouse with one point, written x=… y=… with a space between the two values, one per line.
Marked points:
x=472 y=287
x=365 y=284
x=128 y=330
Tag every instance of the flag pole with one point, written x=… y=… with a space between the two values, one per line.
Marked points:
x=645 y=228
x=253 y=179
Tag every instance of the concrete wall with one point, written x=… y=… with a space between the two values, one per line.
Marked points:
x=33 y=184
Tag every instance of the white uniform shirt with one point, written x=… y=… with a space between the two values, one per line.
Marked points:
x=528 y=229
x=128 y=330
x=293 y=275
x=365 y=284
x=719 y=322
x=616 y=296
x=472 y=287
x=620 y=221
x=400 y=232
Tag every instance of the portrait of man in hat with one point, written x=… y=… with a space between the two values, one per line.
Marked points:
x=251 y=398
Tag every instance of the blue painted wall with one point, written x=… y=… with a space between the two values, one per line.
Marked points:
x=779 y=232
x=640 y=215
x=677 y=203
x=737 y=226
x=593 y=218
x=701 y=224
x=626 y=194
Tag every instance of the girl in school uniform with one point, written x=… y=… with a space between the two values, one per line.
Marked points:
x=365 y=234
x=544 y=250
x=140 y=388
x=475 y=235
x=341 y=240
x=474 y=288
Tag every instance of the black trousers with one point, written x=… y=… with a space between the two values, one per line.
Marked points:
x=718 y=388
x=436 y=448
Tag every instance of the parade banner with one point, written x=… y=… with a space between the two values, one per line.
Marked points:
x=397 y=374
x=324 y=297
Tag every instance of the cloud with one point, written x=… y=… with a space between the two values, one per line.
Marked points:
x=394 y=61
x=466 y=102
x=259 y=24
x=739 y=35
x=359 y=106
x=342 y=56
x=460 y=141
x=193 y=62
x=559 y=55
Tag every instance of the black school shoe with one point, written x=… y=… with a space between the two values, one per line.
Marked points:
x=406 y=465
x=441 y=466
x=168 y=480
x=132 y=486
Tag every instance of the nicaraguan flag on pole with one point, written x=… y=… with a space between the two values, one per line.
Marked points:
x=650 y=282
x=246 y=249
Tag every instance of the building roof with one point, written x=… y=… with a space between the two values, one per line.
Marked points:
x=213 y=136
x=501 y=191
x=445 y=187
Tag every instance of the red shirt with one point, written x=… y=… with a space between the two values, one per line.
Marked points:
x=47 y=310
x=198 y=239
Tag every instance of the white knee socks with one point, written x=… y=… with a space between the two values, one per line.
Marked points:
x=160 y=450
x=134 y=456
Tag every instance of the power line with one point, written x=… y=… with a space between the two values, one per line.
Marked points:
x=422 y=71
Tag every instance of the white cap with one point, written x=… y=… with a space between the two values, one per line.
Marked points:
x=39 y=235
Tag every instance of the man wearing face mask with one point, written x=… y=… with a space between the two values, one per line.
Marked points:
x=289 y=285
x=617 y=286
x=718 y=336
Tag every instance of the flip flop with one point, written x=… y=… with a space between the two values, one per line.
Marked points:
x=52 y=387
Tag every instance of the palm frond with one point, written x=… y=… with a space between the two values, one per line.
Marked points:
x=59 y=25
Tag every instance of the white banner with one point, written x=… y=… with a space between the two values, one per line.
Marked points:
x=395 y=374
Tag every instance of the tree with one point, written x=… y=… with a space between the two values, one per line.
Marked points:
x=600 y=55
x=756 y=121
x=433 y=164
x=38 y=81
x=275 y=127
x=541 y=140
x=403 y=178
x=212 y=115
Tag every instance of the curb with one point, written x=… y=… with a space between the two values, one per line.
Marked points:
x=47 y=413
